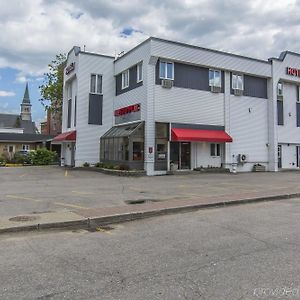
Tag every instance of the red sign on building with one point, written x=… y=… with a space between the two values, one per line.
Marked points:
x=293 y=71
x=127 y=110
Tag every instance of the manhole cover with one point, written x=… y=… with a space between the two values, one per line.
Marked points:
x=23 y=218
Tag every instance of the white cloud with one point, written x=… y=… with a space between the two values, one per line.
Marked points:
x=7 y=94
x=34 y=31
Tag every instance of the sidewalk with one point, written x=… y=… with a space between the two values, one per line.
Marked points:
x=93 y=217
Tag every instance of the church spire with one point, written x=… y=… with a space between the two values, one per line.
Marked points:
x=26 y=99
x=26 y=106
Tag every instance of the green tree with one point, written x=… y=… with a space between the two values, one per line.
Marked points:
x=52 y=88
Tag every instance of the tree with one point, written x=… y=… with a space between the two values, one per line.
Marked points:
x=52 y=88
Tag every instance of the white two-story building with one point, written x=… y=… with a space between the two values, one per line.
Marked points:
x=166 y=105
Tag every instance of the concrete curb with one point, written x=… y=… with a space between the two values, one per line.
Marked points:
x=87 y=223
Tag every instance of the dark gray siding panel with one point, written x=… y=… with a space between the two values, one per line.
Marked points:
x=95 y=109
x=132 y=81
x=69 y=113
x=280 y=112
x=190 y=77
x=298 y=114
x=255 y=87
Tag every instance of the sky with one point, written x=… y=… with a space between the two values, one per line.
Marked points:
x=34 y=31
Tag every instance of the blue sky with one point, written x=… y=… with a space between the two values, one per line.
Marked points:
x=15 y=87
x=34 y=31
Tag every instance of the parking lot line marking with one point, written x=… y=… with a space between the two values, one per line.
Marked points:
x=23 y=198
x=66 y=173
x=22 y=175
x=70 y=205
x=83 y=193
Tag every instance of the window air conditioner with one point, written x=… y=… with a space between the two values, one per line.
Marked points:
x=238 y=92
x=242 y=158
x=215 y=89
x=166 y=83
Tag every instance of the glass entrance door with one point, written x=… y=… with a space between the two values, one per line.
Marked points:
x=185 y=155
x=298 y=156
x=279 y=150
x=180 y=154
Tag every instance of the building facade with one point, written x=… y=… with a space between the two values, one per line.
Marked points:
x=167 y=105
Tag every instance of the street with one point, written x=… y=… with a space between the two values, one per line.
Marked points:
x=241 y=252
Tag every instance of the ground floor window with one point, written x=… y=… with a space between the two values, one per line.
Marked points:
x=25 y=147
x=11 y=148
x=137 y=151
x=215 y=150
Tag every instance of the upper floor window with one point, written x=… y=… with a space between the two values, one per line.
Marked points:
x=139 y=71
x=298 y=94
x=70 y=91
x=215 y=78
x=166 y=70
x=237 y=82
x=96 y=84
x=125 y=79
x=279 y=89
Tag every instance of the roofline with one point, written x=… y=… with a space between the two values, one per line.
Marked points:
x=96 y=54
x=134 y=48
x=192 y=46
x=10 y=114
x=208 y=49
x=283 y=55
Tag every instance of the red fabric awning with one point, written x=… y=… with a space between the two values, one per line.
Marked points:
x=199 y=135
x=66 y=136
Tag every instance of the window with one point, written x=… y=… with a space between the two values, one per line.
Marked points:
x=25 y=147
x=11 y=148
x=215 y=150
x=137 y=151
x=75 y=110
x=279 y=89
x=69 y=113
x=237 y=82
x=280 y=120
x=215 y=78
x=166 y=70
x=125 y=79
x=139 y=70
x=96 y=84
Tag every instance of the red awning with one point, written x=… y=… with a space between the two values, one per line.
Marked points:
x=199 y=135
x=66 y=136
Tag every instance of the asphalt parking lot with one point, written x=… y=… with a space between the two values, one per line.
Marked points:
x=27 y=190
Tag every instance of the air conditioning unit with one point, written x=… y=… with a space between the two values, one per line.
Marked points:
x=238 y=92
x=166 y=83
x=242 y=158
x=215 y=89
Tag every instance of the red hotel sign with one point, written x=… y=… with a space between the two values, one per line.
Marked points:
x=293 y=71
x=127 y=110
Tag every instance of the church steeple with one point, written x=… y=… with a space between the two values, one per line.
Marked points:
x=26 y=99
x=26 y=106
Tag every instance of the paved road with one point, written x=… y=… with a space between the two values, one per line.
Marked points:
x=50 y=189
x=241 y=252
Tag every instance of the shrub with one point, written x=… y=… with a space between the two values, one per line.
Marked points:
x=124 y=167
x=42 y=157
x=99 y=165
x=18 y=158
x=2 y=161
x=86 y=164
